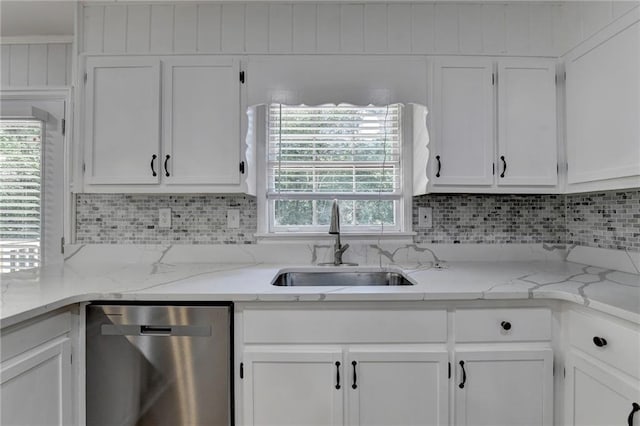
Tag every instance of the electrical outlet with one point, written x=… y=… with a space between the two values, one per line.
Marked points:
x=164 y=221
x=425 y=217
x=233 y=218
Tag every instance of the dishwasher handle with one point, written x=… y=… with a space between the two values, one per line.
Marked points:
x=155 y=330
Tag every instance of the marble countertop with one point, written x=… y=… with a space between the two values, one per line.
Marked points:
x=153 y=274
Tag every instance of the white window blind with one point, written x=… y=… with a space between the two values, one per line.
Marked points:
x=20 y=194
x=318 y=153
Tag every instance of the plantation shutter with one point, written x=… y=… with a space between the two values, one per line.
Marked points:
x=20 y=194
x=334 y=151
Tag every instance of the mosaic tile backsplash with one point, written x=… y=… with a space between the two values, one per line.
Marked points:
x=607 y=220
x=604 y=219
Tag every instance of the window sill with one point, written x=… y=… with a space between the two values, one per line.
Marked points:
x=403 y=237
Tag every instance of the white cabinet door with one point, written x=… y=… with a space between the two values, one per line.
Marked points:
x=463 y=122
x=293 y=388
x=527 y=146
x=603 y=106
x=122 y=130
x=594 y=397
x=201 y=107
x=36 y=386
x=397 y=388
x=504 y=388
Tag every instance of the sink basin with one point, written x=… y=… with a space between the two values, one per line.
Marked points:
x=340 y=279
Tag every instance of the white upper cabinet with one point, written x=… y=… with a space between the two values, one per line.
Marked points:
x=527 y=145
x=122 y=133
x=472 y=97
x=603 y=106
x=201 y=121
x=189 y=142
x=463 y=116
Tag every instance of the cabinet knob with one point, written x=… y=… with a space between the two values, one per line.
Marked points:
x=506 y=325
x=599 y=341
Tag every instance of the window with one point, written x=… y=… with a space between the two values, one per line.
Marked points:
x=20 y=194
x=319 y=153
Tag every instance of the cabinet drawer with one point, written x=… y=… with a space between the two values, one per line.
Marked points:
x=619 y=345
x=503 y=325
x=345 y=326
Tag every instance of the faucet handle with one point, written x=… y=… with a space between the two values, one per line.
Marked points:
x=343 y=248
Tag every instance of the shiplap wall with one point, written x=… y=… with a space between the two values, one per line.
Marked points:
x=35 y=65
x=520 y=29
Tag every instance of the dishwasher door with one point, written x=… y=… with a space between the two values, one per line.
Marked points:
x=158 y=365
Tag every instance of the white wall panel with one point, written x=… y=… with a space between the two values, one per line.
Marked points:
x=493 y=28
x=541 y=28
x=280 y=28
x=115 y=29
x=399 y=31
x=422 y=28
x=257 y=19
x=161 y=28
x=19 y=65
x=93 y=25
x=517 y=20
x=510 y=28
x=328 y=28
x=446 y=27
x=37 y=65
x=304 y=28
x=375 y=28
x=470 y=28
x=209 y=27
x=185 y=30
x=5 y=64
x=233 y=28
x=138 y=28
x=352 y=28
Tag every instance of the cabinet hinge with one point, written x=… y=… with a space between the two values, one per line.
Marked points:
x=242 y=370
x=449 y=374
x=242 y=77
x=64 y=126
x=242 y=167
x=493 y=79
x=62 y=245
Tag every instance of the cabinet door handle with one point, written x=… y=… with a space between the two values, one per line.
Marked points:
x=153 y=160
x=439 y=166
x=506 y=325
x=635 y=409
x=337 y=374
x=464 y=376
x=504 y=166
x=355 y=377
x=599 y=341
x=166 y=165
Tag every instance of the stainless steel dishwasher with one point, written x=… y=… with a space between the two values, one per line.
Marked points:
x=159 y=365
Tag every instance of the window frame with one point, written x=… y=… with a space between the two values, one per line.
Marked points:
x=259 y=133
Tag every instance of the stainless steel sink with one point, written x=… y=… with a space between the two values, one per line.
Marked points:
x=340 y=279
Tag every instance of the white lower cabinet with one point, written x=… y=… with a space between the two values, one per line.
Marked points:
x=504 y=387
x=36 y=375
x=397 y=388
x=595 y=396
x=356 y=387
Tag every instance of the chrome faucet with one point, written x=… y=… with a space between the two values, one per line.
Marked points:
x=334 y=229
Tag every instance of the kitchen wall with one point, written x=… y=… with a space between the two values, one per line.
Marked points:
x=607 y=220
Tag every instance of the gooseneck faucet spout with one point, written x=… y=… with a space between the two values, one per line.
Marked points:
x=334 y=229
